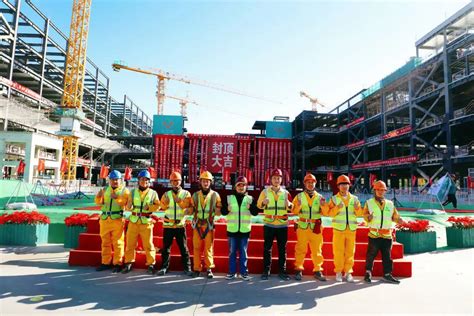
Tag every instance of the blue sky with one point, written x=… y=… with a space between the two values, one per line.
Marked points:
x=274 y=49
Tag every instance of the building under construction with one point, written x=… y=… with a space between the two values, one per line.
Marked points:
x=409 y=128
x=412 y=126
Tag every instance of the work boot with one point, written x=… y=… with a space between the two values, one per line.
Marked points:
x=245 y=277
x=284 y=276
x=298 y=276
x=209 y=274
x=162 y=271
x=188 y=272
x=390 y=279
x=127 y=268
x=368 y=277
x=195 y=274
x=103 y=267
x=265 y=275
x=318 y=275
x=350 y=278
x=116 y=268
x=151 y=269
x=230 y=276
x=338 y=277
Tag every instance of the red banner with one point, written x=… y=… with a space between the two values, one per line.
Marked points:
x=356 y=144
x=221 y=154
x=470 y=183
x=64 y=165
x=355 y=122
x=398 y=132
x=168 y=154
x=413 y=181
x=329 y=176
x=388 y=162
x=128 y=173
x=104 y=172
x=21 y=168
x=372 y=178
x=351 y=177
x=86 y=172
x=41 y=166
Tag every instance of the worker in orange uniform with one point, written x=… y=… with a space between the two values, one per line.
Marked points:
x=275 y=203
x=142 y=203
x=175 y=203
x=379 y=214
x=309 y=205
x=344 y=208
x=206 y=204
x=112 y=199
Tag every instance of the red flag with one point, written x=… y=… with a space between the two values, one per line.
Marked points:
x=64 y=166
x=86 y=172
x=41 y=166
x=128 y=173
x=413 y=180
x=372 y=179
x=329 y=176
x=104 y=172
x=21 y=168
x=152 y=172
x=351 y=177
x=249 y=175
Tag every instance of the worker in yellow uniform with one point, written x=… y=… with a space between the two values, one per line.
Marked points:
x=113 y=200
x=309 y=205
x=380 y=213
x=275 y=203
x=142 y=203
x=206 y=205
x=344 y=208
x=175 y=203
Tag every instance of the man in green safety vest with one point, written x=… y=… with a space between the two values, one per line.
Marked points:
x=175 y=203
x=380 y=213
x=275 y=203
x=112 y=199
x=142 y=203
x=239 y=209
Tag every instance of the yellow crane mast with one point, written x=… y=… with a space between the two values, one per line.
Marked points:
x=71 y=101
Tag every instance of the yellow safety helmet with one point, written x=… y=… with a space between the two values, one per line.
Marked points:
x=206 y=175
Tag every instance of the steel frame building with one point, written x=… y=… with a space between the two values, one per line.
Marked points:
x=415 y=123
x=33 y=54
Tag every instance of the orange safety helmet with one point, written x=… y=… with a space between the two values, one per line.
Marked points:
x=343 y=179
x=206 y=175
x=379 y=185
x=276 y=173
x=309 y=177
x=175 y=176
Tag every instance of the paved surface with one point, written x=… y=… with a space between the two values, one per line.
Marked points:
x=38 y=281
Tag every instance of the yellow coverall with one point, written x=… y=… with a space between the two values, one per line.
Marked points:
x=343 y=242
x=307 y=236
x=111 y=230
x=144 y=230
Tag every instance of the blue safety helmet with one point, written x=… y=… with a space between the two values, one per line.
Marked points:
x=115 y=175
x=144 y=173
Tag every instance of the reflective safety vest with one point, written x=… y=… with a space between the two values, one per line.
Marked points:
x=239 y=219
x=381 y=223
x=138 y=213
x=208 y=210
x=174 y=214
x=276 y=209
x=111 y=207
x=309 y=213
x=345 y=217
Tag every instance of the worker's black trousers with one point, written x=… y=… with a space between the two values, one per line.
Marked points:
x=281 y=234
x=385 y=247
x=180 y=235
x=451 y=199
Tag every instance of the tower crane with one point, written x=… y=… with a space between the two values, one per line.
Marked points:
x=314 y=101
x=162 y=75
x=71 y=102
x=183 y=103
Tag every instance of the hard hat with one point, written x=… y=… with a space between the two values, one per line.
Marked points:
x=379 y=185
x=144 y=174
x=276 y=173
x=241 y=179
x=343 y=179
x=206 y=175
x=115 y=174
x=309 y=177
x=175 y=176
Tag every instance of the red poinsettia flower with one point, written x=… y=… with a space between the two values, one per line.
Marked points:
x=23 y=217
x=461 y=222
x=416 y=226
x=77 y=219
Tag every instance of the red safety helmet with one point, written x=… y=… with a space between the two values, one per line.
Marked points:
x=276 y=173
x=241 y=179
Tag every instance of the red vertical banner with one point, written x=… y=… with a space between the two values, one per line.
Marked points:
x=329 y=176
x=64 y=165
x=128 y=173
x=221 y=153
x=21 y=168
x=249 y=175
x=41 y=166
x=413 y=181
x=256 y=158
x=351 y=178
x=104 y=172
x=86 y=172
x=372 y=179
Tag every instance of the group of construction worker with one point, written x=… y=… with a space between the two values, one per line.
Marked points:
x=274 y=202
